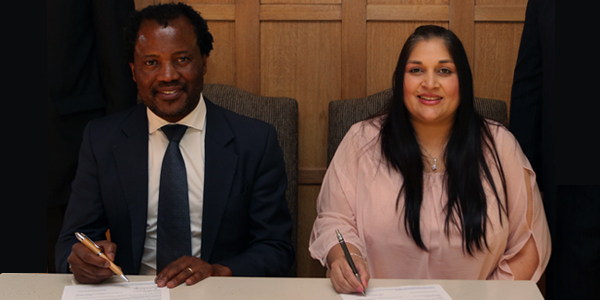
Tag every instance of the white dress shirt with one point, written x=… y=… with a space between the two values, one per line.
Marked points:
x=192 y=150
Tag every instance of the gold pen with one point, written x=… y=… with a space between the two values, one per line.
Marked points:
x=92 y=246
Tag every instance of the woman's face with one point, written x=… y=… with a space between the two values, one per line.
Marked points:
x=431 y=92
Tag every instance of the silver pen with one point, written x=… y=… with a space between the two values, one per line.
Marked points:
x=92 y=246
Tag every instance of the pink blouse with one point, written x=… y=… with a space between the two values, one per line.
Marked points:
x=358 y=197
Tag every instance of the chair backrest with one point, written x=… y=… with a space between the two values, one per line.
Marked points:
x=344 y=113
x=282 y=113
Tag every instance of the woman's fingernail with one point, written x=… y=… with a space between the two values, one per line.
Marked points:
x=360 y=290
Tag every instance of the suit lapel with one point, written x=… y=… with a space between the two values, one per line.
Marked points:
x=220 y=167
x=131 y=156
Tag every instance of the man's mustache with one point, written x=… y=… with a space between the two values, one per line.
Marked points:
x=181 y=85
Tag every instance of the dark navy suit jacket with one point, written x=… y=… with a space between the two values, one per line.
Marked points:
x=246 y=223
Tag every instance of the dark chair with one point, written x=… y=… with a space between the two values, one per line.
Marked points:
x=344 y=113
x=282 y=113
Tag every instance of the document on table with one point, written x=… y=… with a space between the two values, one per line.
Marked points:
x=146 y=290
x=411 y=292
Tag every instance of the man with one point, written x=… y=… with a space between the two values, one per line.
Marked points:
x=239 y=219
x=572 y=210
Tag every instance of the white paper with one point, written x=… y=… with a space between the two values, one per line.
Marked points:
x=146 y=290
x=409 y=292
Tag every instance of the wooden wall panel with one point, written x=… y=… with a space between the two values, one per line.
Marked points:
x=300 y=1
x=222 y=12
x=409 y=2
x=500 y=2
x=462 y=23
x=317 y=51
x=354 y=49
x=247 y=35
x=385 y=12
x=497 y=45
x=221 y=62
x=302 y=60
x=191 y=2
x=297 y=12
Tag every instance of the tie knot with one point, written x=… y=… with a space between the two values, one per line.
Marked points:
x=174 y=132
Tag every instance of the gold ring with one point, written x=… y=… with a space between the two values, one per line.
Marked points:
x=191 y=271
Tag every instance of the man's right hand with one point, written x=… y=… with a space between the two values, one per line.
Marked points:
x=88 y=267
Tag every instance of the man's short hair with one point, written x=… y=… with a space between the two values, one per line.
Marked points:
x=163 y=13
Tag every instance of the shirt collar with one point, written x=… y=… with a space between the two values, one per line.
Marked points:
x=194 y=119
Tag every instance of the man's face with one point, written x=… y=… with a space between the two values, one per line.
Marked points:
x=168 y=68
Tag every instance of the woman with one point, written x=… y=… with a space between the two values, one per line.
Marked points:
x=430 y=189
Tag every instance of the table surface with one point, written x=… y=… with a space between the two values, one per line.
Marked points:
x=50 y=286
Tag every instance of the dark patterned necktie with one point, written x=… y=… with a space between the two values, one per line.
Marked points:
x=173 y=238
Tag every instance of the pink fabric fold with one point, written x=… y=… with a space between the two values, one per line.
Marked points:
x=358 y=197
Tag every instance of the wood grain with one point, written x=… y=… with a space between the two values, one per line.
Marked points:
x=221 y=62
x=462 y=23
x=300 y=12
x=247 y=43
x=407 y=12
x=354 y=49
x=216 y=12
x=302 y=60
x=515 y=13
x=497 y=46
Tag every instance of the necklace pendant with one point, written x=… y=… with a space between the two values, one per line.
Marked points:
x=434 y=167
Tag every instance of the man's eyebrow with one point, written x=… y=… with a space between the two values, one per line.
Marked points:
x=174 y=53
x=181 y=52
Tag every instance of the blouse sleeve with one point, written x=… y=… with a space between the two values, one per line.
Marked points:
x=514 y=162
x=336 y=203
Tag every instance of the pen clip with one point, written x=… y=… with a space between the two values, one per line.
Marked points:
x=81 y=237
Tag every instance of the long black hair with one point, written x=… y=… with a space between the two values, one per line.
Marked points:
x=465 y=157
